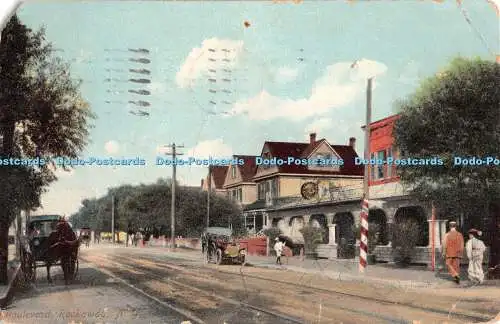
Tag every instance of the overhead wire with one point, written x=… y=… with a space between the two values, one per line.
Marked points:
x=478 y=33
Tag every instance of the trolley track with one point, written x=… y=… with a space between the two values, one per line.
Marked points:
x=125 y=277
x=195 y=270
x=323 y=294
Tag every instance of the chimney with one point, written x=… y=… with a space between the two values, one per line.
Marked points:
x=202 y=182
x=312 y=138
x=352 y=142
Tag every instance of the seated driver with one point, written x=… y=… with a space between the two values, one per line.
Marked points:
x=64 y=230
x=32 y=231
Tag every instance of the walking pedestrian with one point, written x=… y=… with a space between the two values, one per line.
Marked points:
x=138 y=238
x=475 y=251
x=278 y=248
x=453 y=249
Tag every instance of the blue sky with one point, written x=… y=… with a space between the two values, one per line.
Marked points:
x=289 y=73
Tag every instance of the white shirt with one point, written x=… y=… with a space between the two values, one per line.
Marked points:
x=278 y=247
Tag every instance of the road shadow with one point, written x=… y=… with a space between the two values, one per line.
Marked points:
x=86 y=277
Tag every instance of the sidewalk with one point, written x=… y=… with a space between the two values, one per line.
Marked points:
x=348 y=270
x=387 y=274
x=12 y=272
x=95 y=297
x=344 y=270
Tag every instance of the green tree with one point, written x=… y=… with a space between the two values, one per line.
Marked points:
x=313 y=236
x=42 y=115
x=455 y=113
x=148 y=207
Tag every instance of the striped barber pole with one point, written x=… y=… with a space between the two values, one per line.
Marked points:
x=363 y=244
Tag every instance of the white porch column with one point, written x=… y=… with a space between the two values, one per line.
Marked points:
x=331 y=234
x=439 y=232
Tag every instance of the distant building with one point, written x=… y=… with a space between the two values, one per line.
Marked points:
x=239 y=182
x=279 y=198
x=217 y=176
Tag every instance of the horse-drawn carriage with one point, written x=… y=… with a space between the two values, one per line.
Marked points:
x=85 y=234
x=219 y=245
x=50 y=241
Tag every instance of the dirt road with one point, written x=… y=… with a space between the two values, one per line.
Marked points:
x=235 y=294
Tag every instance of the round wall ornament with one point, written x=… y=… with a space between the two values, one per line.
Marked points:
x=309 y=190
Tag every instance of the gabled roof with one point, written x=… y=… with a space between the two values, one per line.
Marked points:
x=218 y=173
x=284 y=150
x=248 y=168
x=311 y=147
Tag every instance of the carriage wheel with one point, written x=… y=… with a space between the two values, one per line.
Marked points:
x=29 y=267
x=33 y=266
x=75 y=268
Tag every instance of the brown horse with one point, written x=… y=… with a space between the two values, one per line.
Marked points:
x=62 y=246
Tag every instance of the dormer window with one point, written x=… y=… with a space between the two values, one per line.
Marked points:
x=323 y=159
x=233 y=171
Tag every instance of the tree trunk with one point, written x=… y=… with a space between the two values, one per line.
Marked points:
x=7 y=210
x=4 y=250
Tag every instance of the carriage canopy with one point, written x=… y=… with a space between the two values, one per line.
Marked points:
x=44 y=225
x=219 y=231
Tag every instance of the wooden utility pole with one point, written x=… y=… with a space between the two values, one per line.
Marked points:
x=113 y=217
x=433 y=238
x=365 y=209
x=366 y=189
x=209 y=190
x=174 y=184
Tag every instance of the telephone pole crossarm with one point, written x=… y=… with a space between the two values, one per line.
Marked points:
x=174 y=154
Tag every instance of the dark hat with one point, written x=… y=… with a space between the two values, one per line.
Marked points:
x=473 y=231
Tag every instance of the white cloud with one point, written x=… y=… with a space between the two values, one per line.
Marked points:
x=211 y=148
x=319 y=125
x=339 y=86
x=327 y=126
x=210 y=55
x=286 y=74
x=112 y=147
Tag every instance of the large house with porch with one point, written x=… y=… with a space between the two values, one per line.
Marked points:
x=279 y=199
x=337 y=204
x=267 y=194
